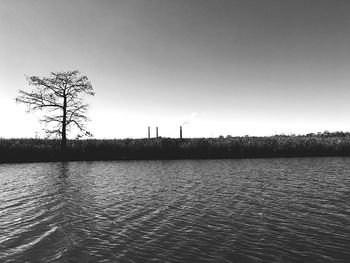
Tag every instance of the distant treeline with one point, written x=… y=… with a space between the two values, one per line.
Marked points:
x=41 y=150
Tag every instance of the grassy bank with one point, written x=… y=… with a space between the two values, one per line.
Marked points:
x=39 y=150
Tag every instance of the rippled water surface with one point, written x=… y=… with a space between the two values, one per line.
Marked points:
x=263 y=210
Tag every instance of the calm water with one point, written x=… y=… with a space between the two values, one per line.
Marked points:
x=266 y=210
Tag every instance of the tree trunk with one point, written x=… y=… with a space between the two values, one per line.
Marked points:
x=64 y=123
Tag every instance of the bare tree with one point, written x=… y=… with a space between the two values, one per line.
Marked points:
x=61 y=96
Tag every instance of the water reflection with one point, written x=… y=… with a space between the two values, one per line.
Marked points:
x=76 y=214
x=63 y=170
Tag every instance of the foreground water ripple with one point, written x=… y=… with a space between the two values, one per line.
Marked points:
x=267 y=210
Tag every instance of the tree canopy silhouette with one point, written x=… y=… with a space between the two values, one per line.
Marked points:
x=61 y=96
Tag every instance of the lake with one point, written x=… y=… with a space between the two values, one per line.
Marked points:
x=251 y=210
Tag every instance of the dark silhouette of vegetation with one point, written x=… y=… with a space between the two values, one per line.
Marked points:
x=61 y=95
x=35 y=150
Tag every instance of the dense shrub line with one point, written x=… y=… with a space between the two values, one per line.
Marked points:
x=40 y=150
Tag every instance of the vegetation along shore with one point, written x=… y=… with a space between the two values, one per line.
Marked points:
x=42 y=150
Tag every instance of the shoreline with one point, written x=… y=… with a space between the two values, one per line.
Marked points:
x=278 y=146
x=169 y=159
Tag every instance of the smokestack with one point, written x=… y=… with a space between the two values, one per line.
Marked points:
x=180 y=132
x=157 y=132
x=149 y=132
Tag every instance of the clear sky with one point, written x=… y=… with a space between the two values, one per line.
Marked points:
x=256 y=67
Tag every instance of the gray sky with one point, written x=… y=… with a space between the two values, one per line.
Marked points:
x=231 y=67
